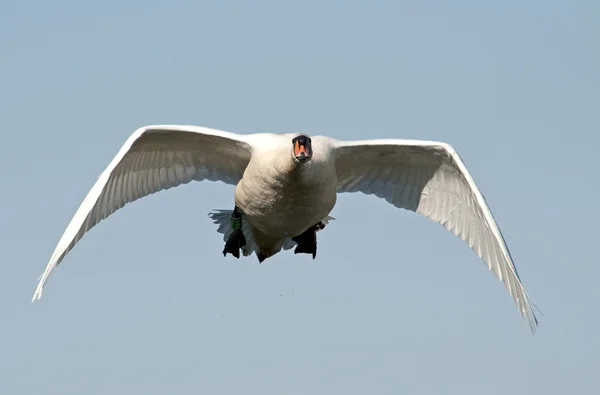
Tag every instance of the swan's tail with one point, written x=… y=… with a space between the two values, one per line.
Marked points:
x=222 y=219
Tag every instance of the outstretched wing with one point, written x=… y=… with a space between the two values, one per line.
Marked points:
x=431 y=179
x=154 y=158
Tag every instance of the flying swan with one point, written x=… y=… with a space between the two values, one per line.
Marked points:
x=286 y=186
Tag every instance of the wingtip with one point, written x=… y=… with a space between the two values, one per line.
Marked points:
x=37 y=295
x=533 y=325
x=528 y=311
x=530 y=317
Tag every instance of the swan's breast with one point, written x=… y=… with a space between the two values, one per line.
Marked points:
x=281 y=198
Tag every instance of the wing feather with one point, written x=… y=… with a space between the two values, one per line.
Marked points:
x=431 y=179
x=154 y=158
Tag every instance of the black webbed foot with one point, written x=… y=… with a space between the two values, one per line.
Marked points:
x=307 y=248
x=236 y=239
x=307 y=241
x=234 y=243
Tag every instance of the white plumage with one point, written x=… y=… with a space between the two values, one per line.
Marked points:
x=422 y=176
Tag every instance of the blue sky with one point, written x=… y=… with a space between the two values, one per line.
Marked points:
x=393 y=303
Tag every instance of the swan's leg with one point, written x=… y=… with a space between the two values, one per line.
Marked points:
x=236 y=239
x=307 y=241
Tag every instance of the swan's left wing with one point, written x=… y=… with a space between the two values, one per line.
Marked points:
x=431 y=179
x=154 y=158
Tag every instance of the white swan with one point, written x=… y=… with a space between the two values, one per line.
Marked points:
x=287 y=184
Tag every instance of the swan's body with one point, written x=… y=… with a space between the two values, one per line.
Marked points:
x=284 y=189
x=281 y=198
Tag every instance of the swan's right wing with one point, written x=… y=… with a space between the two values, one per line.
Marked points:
x=154 y=158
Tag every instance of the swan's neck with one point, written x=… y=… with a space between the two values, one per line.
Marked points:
x=290 y=170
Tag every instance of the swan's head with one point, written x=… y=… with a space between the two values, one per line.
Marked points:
x=302 y=148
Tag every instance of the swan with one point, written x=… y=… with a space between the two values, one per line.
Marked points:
x=287 y=184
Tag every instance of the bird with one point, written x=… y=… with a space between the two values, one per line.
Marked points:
x=287 y=184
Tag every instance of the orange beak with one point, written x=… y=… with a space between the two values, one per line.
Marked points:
x=299 y=149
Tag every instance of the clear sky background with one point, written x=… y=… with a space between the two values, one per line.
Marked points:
x=394 y=303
